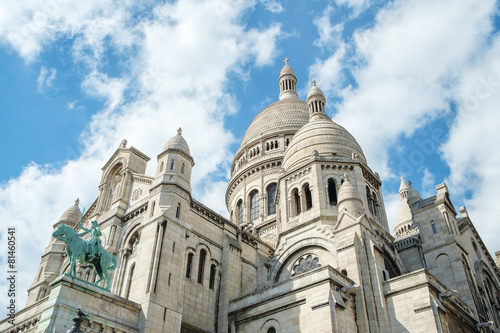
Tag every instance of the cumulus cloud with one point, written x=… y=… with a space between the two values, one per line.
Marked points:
x=357 y=6
x=173 y=72
x=329 y=35
x=45 y=78
x=272 y=6
x=470 y=150
x=403 y=67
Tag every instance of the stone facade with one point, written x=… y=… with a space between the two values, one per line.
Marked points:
x=307 y=247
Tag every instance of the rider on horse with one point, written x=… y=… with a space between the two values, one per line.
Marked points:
x=94 y=242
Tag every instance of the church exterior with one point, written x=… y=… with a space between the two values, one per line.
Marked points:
x=307 y=247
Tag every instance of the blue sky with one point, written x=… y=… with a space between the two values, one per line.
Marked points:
x=417 y=82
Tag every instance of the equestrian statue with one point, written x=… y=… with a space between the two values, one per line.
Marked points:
x=88 y=251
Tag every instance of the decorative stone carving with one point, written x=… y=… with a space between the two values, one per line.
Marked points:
x=136 y=194
x=305 y=264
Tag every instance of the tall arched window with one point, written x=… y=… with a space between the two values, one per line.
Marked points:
x=307 y=194
x=271 y=330
x=254 y=205
x=332 y=192
x=172 y=165
x=271 y=193
x=131 y=276
x=182 y=168
x=189 y=265
x=239 y=211
x=178 y=211
x=296 y=202
x=212 y=277
x=201 y=266
x=376 y=204
x=369 y=199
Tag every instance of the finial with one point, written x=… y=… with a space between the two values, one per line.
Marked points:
x=409 y=183
x=123 y=144
x=345 y=176
x=77 y=201
x=314 y=82
x=179 y=131
x=402 y=178
x=286 y=61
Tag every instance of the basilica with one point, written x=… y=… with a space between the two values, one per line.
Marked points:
x=307 y=246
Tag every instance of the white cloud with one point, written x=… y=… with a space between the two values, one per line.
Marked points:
x=428 y=183
x=176 y=76
x=272 y=6
x=330 y=36
x=403 y=67
x=45 y=78
x=471 y=149
x=357 y=6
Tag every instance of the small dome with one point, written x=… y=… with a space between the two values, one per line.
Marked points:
x=72 y=215
x=287 y=70
x=325 y=137
x=178 y=143
x=315 y=91
x=349 y=199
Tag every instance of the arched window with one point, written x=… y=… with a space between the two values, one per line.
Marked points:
x=271 y=330
x=434 y=229
x=182 y=168
x=332 y=192
x=178 y=211
x=271 y=193
x=296 y=201
x=189 y=265
x=161 y=166
x=131 y=275
x=376 y=205
x=254 y=205
x=201 y=266
x=172 y=165
x=212 y=277
x=239 y=211
x=307 y=194
x=369 y=199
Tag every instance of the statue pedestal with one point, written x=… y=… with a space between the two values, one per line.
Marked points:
x=105 y=311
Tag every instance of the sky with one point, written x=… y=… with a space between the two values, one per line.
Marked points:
x=417 y=82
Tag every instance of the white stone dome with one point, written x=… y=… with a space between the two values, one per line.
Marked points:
x=315 y=91
x=323 y=137
x=287 y=70
x=281 y=116
x=72 y=215
x=178 y=143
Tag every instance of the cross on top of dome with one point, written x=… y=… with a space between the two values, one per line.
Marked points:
x=286 y=61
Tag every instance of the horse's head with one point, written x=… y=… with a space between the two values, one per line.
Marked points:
x=60 y=230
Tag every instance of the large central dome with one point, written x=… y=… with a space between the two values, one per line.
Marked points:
x=281 y=116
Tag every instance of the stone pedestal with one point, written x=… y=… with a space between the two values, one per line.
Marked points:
x=105 y=311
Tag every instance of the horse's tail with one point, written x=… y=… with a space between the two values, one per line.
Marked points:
x=113 y=263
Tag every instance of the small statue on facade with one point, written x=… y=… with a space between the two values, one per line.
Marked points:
x=94 y=242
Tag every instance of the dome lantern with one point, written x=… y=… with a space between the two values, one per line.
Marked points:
x=288 y=82
x=316 y=100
